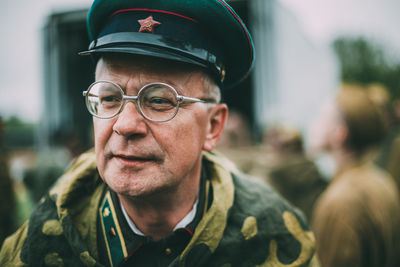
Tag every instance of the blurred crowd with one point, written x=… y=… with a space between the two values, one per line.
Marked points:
x=354 y=212
x=23 y=184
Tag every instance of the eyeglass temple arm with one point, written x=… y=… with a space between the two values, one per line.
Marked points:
x=192 y=99
x=85 y=93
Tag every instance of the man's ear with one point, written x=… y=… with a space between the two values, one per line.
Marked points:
x=216 y=124
x=340 y=136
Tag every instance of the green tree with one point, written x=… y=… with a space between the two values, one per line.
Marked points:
x=19 y=134
x=365 y=62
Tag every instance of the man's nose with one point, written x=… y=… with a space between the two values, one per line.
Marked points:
x=129 y=121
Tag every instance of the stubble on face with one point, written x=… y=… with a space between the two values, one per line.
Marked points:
x=149 y=158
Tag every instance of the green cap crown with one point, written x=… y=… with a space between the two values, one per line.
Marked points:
x=208 y=33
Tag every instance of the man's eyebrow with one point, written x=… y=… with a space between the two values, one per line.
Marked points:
x=178 y=88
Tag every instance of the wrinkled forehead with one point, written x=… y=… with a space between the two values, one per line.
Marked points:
x=150 y=68
x=119 y=62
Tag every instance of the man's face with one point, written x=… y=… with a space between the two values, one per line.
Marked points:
x=324 y=130
x=138 y=157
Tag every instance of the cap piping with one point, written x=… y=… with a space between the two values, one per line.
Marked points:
x=245 y=30
x=153 y=10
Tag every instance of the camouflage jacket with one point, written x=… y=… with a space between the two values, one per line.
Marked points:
x=247 y=224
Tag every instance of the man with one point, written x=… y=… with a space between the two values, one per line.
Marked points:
x=388 y=154
x=356 y=220
x=291 y=172
x=152 y=193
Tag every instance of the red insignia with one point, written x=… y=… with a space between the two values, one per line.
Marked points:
x=148 y=24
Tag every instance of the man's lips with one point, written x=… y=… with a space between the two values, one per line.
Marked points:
x=133 y=160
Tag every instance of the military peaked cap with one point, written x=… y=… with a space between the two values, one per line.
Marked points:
x=207 y=33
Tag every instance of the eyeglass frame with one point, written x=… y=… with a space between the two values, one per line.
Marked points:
x=136 y=99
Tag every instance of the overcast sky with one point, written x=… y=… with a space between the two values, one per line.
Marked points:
x=22 y=21
x=20 y=53
x=323 y=20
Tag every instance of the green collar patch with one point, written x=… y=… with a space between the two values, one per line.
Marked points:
x=112 y=233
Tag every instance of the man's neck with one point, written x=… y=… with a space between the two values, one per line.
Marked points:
x=345 y=159
x=157 y=215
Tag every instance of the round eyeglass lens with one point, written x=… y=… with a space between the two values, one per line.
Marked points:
x=104 y=99
x=158 y=102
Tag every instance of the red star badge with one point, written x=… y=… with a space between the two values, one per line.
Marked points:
x=148 y=24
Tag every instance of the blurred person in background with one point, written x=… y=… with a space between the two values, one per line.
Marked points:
x=388 y=157
x=356 y=220
x=236 y=132
x=52 y=162
x=7 y=198
x=236 y=143
x=290 y=171
x=279 y=161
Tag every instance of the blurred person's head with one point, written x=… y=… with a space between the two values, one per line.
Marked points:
x=351 y=121
x=380 y=95
x=283 y=138
x=236 y=132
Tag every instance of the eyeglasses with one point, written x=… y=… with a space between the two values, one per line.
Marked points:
x=157 y=102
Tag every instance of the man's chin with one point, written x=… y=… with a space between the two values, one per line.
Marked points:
x=138 y=195
x=130 y=186
x=127 y=191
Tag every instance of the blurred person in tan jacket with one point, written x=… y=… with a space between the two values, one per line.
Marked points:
x=356 y=220
x=290 y=171
x=388 y=156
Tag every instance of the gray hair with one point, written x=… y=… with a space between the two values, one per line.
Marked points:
x=212 y=90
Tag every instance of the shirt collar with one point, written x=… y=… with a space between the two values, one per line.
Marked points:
x=181 y=224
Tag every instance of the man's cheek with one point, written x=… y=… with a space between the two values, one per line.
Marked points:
x=102 y=132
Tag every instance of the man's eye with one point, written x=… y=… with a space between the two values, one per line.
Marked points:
x=109 y=99
x=159 y=104
x=160 y=101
